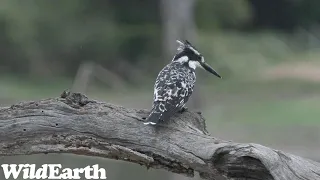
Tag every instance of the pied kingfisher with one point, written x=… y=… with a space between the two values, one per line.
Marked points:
x=175 y=82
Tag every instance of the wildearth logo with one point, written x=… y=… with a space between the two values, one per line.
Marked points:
x=52 y=171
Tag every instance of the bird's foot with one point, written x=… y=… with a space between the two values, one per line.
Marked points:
x=183 y=109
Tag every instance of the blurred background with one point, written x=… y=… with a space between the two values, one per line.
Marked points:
x=267 y=52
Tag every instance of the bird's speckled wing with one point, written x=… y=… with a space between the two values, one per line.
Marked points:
x=173 y=87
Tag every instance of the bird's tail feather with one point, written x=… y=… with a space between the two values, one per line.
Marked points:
x=153 y=118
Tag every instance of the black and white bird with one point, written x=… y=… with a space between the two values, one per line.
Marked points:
x=175 y=82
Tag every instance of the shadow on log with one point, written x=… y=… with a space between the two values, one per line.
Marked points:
x=75 y=124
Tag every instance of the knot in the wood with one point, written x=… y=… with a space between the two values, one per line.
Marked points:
x=75 y=99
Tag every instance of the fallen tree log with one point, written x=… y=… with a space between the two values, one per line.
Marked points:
x=74 y=124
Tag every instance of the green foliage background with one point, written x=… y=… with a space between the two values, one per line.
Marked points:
x=54 y=37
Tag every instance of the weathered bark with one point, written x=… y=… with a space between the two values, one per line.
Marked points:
x=75 y=124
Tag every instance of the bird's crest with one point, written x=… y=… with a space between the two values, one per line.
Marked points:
x=181 y=45
x=186 y=44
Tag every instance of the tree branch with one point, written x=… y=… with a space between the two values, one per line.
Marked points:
x=75 y=124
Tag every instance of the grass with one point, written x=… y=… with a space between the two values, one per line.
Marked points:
x=281 y=112
x=14 y=87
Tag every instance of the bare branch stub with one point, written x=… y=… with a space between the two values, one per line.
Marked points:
x=75 y=124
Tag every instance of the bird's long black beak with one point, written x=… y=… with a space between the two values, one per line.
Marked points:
x=209 y=69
